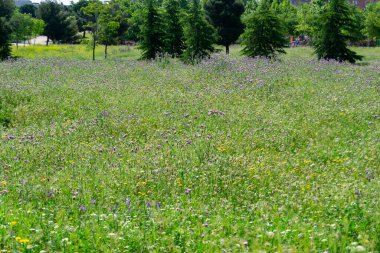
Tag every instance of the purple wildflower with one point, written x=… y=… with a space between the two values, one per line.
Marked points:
x=148 y=204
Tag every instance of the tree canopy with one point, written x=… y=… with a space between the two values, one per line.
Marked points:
x=199 y=34
x=225 y=16
x=61 y=26
x=6 y=10
x=173 y=34
x=265 y=34
x=152 y=34
x=336 y=28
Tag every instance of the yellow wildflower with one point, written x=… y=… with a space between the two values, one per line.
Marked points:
x=13 y=223
x=221 y=148
x=18 y=238
x=306 y=161
x=24 y=241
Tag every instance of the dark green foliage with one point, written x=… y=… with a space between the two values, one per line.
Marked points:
x=184 y=4
x=28 y=9
x=5 y=33
x=174 y=44
x=120 y=12
x=60 y=26
x=82 y=19
x=225 y=15
x=199 y=35
x=264 y=35
x=135 y=21
x=152 y=34
x=6 y=10
x=336 y=29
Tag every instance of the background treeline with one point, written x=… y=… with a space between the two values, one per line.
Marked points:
x=190 y=29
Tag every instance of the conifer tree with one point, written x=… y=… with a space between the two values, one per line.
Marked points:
x=225 y=15
x=264 y=35
x=173 y=37
x=6 y=10
x=199 y=35
x=336 y=29
x=152 y=43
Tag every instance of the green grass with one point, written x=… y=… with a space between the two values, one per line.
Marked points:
x=101 y=156
x=78 y=52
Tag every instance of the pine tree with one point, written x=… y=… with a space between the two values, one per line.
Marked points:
x=336 y=29
x=6 y=9
x=152 y=35
x=173 y=38
x=199 y=35
x=225 y=17
x=264 y=34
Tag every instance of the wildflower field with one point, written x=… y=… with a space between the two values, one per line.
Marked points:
x=230 y=155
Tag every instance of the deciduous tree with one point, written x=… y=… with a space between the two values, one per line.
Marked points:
x=108 y=29
x=38 y=28
x=94 y=10
x=372 y=20
x=28 y=9
x=60 y=25
x=22 y=25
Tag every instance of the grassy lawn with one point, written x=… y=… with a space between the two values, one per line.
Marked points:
x=233 y=154
x=77 y=52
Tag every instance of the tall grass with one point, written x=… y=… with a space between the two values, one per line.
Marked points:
x=233 y=154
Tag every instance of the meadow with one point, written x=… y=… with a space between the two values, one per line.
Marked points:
x=230 y=155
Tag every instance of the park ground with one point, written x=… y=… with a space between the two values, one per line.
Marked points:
x=230 y=155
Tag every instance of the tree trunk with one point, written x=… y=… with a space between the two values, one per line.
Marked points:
x=93 y=48
x=47 y=41
x=105 y=51
x=84 y=33
x=227 y=49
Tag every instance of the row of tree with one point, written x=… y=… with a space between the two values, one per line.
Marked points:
x=25 y=27
x=189 y=29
